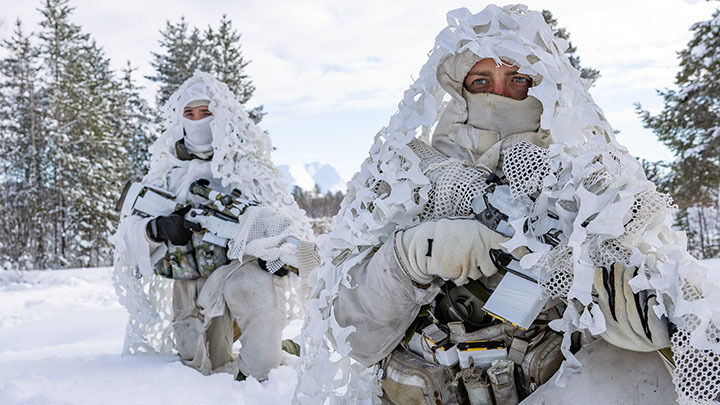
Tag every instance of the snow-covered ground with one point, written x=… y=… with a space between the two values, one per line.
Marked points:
x=61 y=333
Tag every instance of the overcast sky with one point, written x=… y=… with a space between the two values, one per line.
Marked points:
x=330 y=73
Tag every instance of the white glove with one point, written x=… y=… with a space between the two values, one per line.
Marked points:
x=629 y=318
x=455 y=249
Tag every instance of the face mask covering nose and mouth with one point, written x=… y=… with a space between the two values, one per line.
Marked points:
x=198 y=134
x=503 y=115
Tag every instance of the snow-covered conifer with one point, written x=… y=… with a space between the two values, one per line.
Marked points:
x=134 y=124
x=228 y=64
x=86 y=156
x=689 y=124
x=185 y=49
x=23 y=182
x=179 y=58
x=60 y=41
x=96 y=160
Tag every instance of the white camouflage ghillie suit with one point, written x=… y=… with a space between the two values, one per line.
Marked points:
x=195 y=314
x=556 y=151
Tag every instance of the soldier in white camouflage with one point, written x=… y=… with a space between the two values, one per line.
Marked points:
x=235 y=289
x=432 y=278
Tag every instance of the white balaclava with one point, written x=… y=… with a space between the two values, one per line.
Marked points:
x=198 y=134
x=476 y=122
x=503 y=115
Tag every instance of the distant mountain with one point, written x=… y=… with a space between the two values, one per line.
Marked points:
x=307 y=175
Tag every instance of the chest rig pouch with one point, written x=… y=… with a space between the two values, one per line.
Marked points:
x=491 y=361
x=194 y=260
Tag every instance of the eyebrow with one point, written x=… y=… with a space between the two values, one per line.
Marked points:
x=481 y=73
x=489 y=73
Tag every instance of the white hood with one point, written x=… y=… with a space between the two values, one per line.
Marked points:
x=194 y=95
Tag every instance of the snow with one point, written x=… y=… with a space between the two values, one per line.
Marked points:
x=698 y=51
x=326 y=177
x=307 y=175
x=296 y=175
x=61 y=333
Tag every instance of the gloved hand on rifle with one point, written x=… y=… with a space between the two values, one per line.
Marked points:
x=455 y=249
x=173 y=228
x=630 y=320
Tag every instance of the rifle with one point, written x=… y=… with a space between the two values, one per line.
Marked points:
x=219 y=217
x=518 y=299
x=146 y=201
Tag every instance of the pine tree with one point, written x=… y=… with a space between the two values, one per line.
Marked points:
x=585 y=72
x=228 y=64
x=301 y=197
x=60 y=45
x=181 y=57
x=88 y=158
x=215 y=51
x=97 y=159
x=689 y=124
x=23 y=142
x=134 y=124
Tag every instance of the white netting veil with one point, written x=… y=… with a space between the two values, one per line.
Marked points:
x=607 y=209
x=264 y=233
x=240 y=160
x=455 y=183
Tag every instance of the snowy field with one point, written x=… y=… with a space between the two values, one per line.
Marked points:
x=61 y=333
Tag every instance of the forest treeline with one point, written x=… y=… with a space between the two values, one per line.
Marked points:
x=73 y=130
